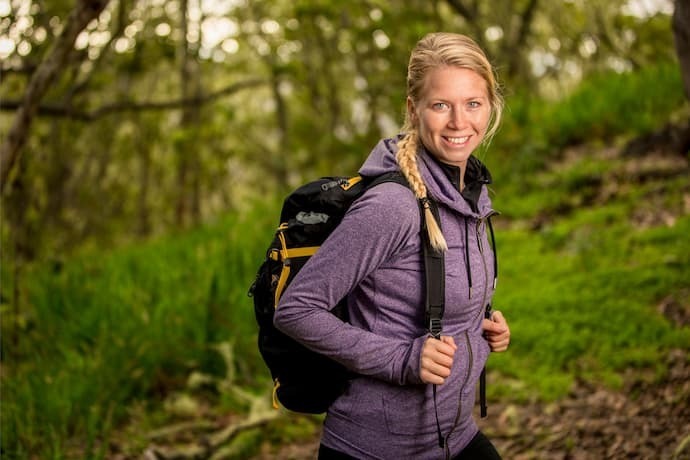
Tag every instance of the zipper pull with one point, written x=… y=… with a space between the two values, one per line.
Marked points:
x=479 y=236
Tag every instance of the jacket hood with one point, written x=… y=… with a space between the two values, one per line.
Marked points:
x=442 y=180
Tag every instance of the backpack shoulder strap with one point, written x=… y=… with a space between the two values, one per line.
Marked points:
x=435 y=272
x=392 y=176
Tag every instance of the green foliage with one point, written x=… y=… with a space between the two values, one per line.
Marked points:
x=111 y=327
x=580 y=291
x=601 y=109
x=611 y=104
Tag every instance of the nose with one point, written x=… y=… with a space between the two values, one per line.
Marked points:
x=457 y=118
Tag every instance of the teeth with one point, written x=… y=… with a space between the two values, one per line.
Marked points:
x=457 y=140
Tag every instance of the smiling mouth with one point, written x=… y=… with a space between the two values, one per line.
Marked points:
x=457 y=140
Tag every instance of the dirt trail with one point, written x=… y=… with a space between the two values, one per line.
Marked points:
x=644 y=421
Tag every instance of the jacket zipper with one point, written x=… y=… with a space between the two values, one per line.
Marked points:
x=464 y=384
x=467 y=337
x=486 y=270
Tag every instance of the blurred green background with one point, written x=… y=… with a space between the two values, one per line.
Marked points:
x=145 y=162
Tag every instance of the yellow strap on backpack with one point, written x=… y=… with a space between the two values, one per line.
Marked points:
x=285 y=255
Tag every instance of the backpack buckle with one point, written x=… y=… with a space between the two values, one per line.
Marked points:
x=435 y=327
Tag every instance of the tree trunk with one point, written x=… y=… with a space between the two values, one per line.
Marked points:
x=144 y=220
x=515 y=48
x=470 y=13
x=55 y=62
x=282 y=123
x=681 y=33
x=188 y=204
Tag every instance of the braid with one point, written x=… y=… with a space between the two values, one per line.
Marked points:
x=407 y=161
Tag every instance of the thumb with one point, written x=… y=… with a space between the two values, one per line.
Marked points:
x=497 y=317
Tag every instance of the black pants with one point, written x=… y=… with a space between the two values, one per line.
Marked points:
x=479 y=448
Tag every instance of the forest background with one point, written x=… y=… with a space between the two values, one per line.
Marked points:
x=146 y=147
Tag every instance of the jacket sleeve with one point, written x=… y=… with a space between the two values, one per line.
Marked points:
x=375 y=227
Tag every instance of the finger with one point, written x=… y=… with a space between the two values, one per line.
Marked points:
x=435 y=361
x=435 y=368
x=449 y=340
x=432 y=372
x=499 y=345
x=441 y=346
x=428 y=377
x=487 y=325
x=434 y=356
x=503 y=346
x=499 y=338
x=493 y=327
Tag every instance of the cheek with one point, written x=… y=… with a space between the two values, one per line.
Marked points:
x=422 y=125
x=481 y=124
x=485 y=121
x=431 y=124
x=426 y=131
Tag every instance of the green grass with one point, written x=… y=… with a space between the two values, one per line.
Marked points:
x=612 y=104
x=581 y=296
x=599 y=111
x=104 y=329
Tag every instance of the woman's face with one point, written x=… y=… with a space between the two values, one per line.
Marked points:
x=453 y=113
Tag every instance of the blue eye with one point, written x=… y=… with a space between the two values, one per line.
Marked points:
x=439 y=106
x=474 y=104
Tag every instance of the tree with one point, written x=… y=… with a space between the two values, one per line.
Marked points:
x=55 y=62
x=681 y=31
x=169 y=113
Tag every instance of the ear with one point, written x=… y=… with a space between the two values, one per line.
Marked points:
x=411 y=112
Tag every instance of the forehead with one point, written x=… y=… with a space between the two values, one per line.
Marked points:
x=450 y=82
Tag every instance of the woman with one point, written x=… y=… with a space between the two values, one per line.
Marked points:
x=405 y=377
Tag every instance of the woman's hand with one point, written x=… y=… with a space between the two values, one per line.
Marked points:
x=437 y=359
x=497 y=332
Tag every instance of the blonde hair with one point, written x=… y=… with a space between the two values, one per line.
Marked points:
x=432 y=51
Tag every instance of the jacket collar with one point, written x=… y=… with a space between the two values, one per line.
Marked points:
x=477 y=176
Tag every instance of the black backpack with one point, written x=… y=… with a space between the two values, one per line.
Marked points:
x=305 y=381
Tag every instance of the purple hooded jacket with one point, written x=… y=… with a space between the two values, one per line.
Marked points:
x=374 y=257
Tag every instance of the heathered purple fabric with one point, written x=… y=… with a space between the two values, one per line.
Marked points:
x=375 y=256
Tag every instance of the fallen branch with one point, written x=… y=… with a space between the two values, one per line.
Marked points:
x=186 y=427
x=224 y=436
x=210 y=445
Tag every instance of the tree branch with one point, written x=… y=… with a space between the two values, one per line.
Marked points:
x=109 y=109
x=470 y=14
x=462 y=10
x=607 y=35
x=117 y=32
x=84 y=12
x=515 y=48
x=526 y=23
